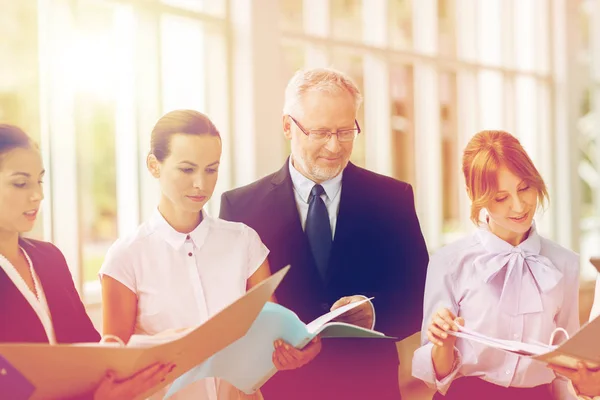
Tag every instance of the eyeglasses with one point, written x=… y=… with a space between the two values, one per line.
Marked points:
x=323 y=135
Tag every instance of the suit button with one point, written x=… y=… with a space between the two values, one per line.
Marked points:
x=325 y=306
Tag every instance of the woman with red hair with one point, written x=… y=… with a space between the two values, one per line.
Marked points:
x=505 y=280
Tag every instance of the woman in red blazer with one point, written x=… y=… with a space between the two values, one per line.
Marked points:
x=37 y=294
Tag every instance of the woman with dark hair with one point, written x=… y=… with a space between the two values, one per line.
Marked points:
x=183 y=266
x=38 y=297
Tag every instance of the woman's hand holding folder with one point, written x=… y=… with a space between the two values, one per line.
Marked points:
x=286 y=357
x=586 y=381
x=127 y=389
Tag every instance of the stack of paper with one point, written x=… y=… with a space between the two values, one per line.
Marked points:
x=511 y=346
x=582 y=346
x=247 y=364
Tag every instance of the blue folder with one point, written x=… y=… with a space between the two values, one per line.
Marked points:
x=247 y=363
x=13 y=385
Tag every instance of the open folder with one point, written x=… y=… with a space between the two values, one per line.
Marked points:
x=63 y=371
x=584 y=346
x=247 y=363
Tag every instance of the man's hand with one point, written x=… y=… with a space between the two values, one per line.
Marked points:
x=362 y=315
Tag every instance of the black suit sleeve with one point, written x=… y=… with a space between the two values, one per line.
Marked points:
x=399 y=312
x=416 y=259
x=226 y=211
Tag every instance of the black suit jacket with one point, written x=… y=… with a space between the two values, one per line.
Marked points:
x=19 y=322
x=378 y=251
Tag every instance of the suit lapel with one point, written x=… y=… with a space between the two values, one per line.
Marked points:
x=345 y=226
x=29 y=327
x=284 y=206
x=288 y=229
x=42 y=264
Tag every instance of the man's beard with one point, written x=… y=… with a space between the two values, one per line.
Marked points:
x=321 y=173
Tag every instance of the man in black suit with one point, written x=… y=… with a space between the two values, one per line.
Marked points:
x=347 y=233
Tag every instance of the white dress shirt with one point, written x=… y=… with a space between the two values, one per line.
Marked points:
x=39 y=302
x=331 y=197
x=182 y=280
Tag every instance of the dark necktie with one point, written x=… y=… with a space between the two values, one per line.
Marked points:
x=318 y=229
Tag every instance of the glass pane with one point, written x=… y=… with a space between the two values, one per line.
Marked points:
x=542 y=36
x=447 y=27
x=400 y=23
x=19 y=79
x=585 y=26
x=489 y=32
x=526 y=111
x=351 y=63
x=95 y=126
x=94 y=118
x=346 y=19
x=214 y=7
x=403 y=139
x=293 y=60
x=525 y=46
x=290 y=15
x=450 y=152
x=491 y=100
x=183 y=68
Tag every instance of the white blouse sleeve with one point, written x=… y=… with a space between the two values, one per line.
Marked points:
x=119 y=266
x=257 y=252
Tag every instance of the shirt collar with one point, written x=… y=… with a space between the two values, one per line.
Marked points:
x=494 y=245
x=176 y=239
x=303 y=185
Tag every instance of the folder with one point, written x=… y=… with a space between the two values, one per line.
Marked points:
x=247 y=363
x=63 y=371
x=582 y=346
x=13 y=385
x=596 y=263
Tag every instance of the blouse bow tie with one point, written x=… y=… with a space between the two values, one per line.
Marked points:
x=527 y=274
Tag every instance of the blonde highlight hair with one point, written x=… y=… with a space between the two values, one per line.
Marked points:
x=484 y=155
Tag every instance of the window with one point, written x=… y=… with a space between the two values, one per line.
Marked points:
x=290 y=12
x=451 y=167
x=19 y=77
x=89 y=78
x=403 y=140
x=400 y=23
x=447 y=27
x=214 y=7
x=183 y=58
x=352 y=64
x=118 y=69
x=346 y=19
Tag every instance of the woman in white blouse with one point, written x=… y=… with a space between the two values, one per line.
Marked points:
x=38 y=297
x=183 y=266
x=505 y=281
